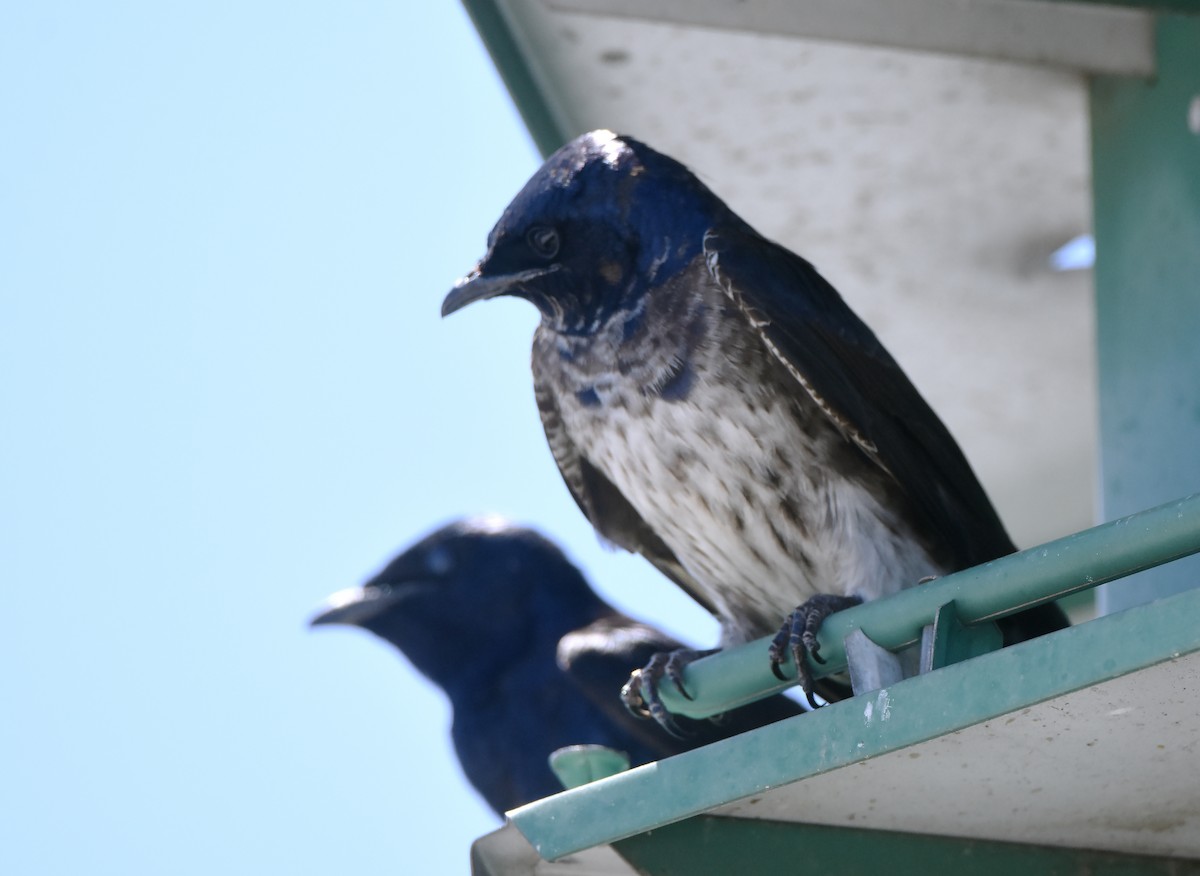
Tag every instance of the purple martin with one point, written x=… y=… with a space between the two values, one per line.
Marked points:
x=530 y=657
x=714 y=405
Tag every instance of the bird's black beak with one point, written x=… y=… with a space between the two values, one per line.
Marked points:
x=351 y=606
x=478 y=286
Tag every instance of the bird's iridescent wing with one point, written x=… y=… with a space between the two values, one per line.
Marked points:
x=836 y=358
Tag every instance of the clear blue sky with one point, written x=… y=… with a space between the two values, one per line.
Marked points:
x=225 y=232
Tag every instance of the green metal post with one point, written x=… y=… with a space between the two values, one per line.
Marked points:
x=1146 y=171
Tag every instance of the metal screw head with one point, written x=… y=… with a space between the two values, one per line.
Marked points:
x=1194 y=115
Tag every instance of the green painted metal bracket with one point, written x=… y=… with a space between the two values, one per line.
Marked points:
x=577 y=765
x=844 y=733
x=709 y=844
x=948 y=640
x=984 y=593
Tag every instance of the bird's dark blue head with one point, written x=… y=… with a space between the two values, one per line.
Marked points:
x=603 y=220
x=468 y=598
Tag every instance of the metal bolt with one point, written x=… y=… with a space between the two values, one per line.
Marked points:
x=1194 y=115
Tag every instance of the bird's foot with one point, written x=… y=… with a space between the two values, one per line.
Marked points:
x=640 y=693
x=798 y=637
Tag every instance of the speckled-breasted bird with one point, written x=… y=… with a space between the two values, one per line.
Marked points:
x=715 y=406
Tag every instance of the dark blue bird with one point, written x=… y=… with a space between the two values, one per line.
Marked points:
x=714 y=405
x=530 y=657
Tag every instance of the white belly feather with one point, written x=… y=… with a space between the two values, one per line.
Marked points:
x=696 y=471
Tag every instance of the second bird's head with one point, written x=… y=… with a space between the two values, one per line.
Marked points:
x=603 y=220
x=477 y=592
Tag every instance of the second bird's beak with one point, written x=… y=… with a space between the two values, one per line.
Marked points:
x=478 y=286
x=351 y=606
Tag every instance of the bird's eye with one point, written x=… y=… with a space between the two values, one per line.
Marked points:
x=439 y=562
x=543 y=240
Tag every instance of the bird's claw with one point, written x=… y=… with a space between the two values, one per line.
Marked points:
x=798 y=638
x=632 y=697
x=640 y=694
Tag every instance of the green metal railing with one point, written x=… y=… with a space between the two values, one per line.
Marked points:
x=983 y=593
x=915 y=710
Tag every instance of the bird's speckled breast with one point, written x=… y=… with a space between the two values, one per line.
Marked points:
x=759 y=495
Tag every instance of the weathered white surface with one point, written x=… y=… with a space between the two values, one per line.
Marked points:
x=506 y=851
x=1115 y=766
x=1095 y=39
